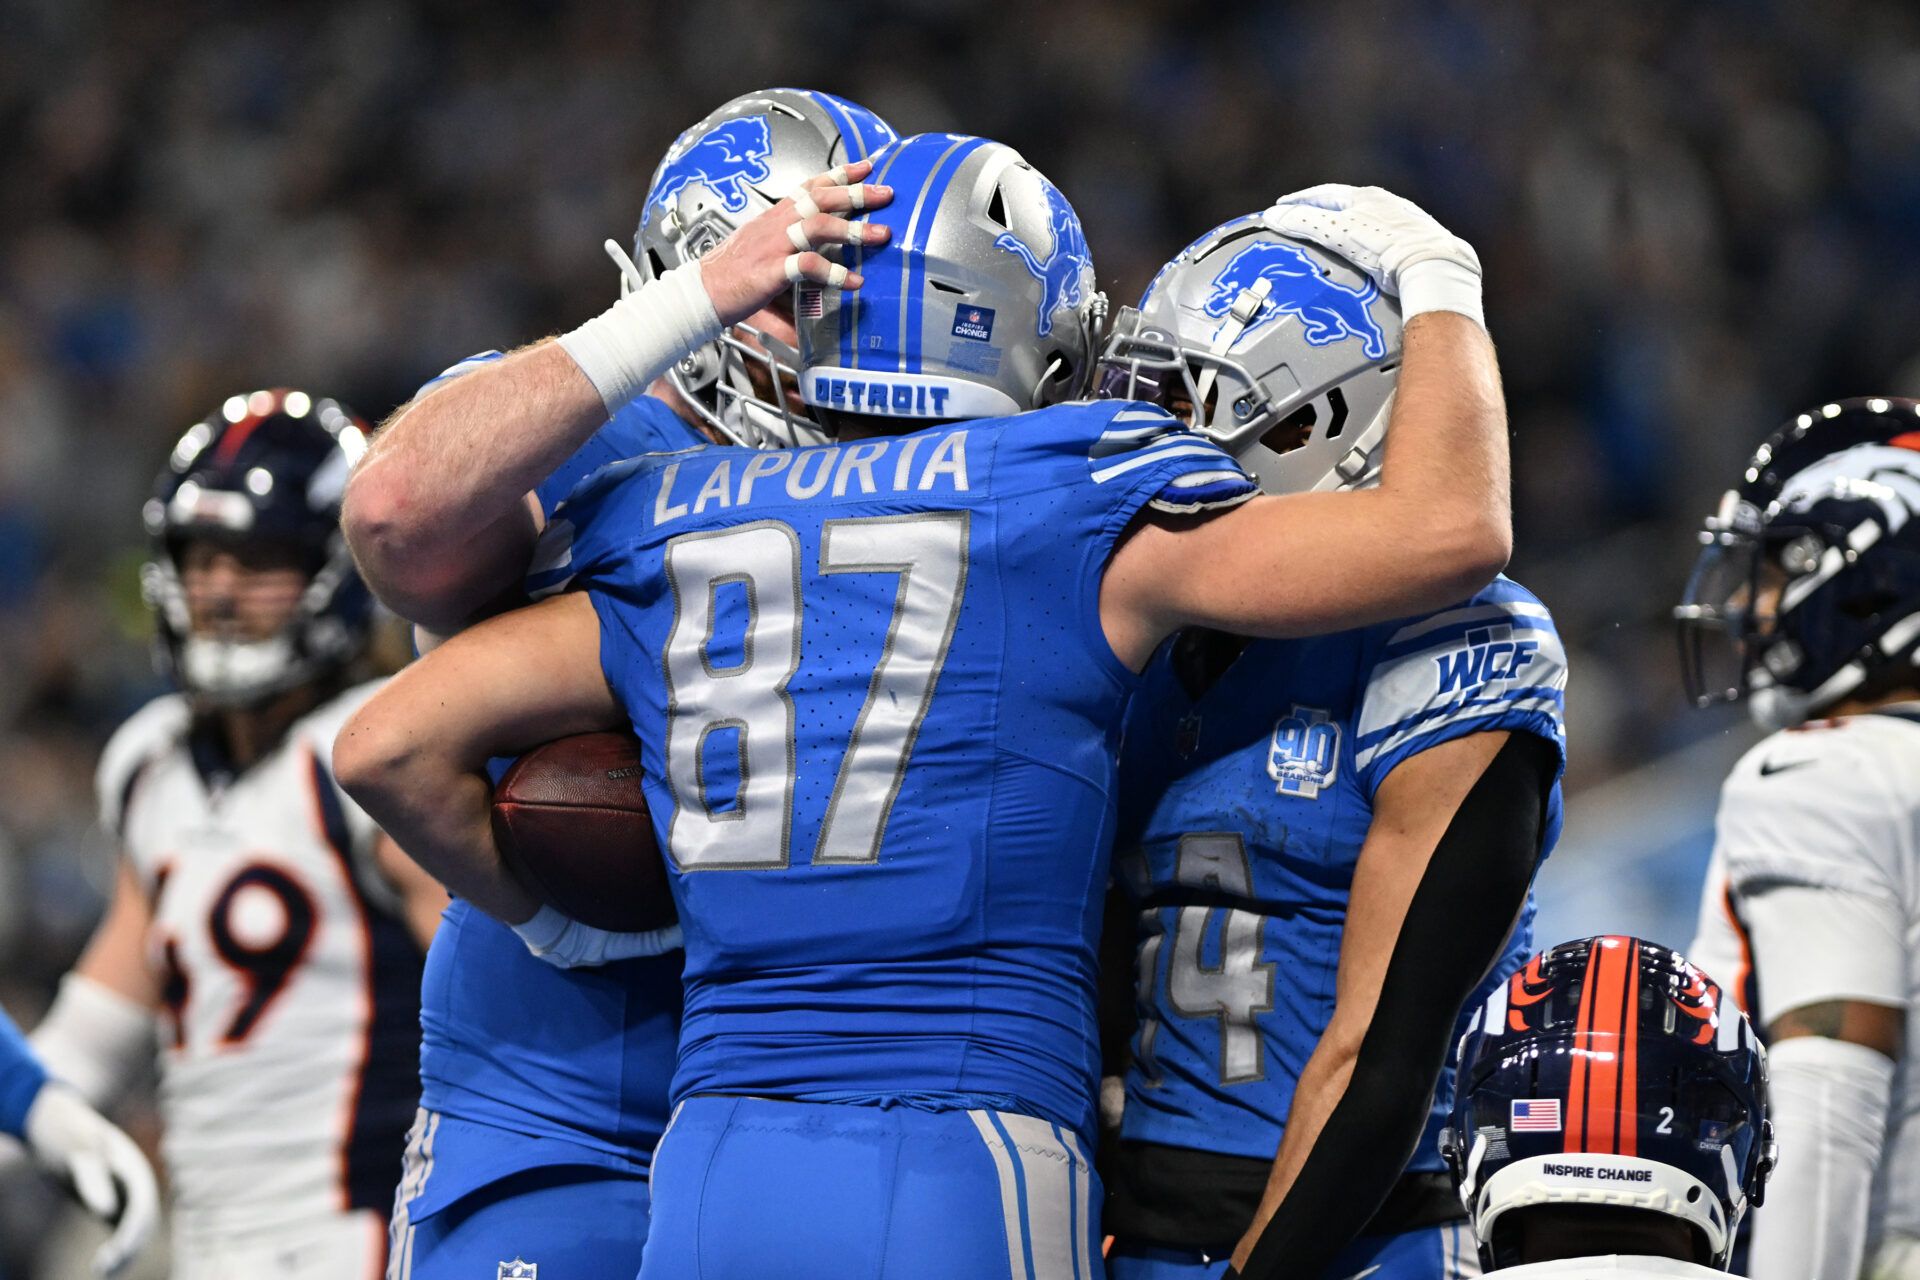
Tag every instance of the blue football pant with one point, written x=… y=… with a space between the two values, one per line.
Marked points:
x=572 y=1222
x=1432 y=1253
x=750 y=1188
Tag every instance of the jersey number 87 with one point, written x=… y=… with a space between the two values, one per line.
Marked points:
x=744 y=696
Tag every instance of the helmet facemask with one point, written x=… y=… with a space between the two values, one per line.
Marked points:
x=1814 y=604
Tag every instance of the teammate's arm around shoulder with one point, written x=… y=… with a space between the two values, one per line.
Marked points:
x=1436 y=529
x=1443 y=874
x=437 y=511
x=415 y=756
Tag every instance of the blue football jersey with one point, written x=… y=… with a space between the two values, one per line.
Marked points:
x=580 y=1059
x=1242 y=818
x=880 y=719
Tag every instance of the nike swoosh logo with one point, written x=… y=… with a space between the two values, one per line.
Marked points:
x=1768 y=767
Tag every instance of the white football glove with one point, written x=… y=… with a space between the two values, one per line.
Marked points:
x=103 y=1166
x=565 y=943
x=1393 y=240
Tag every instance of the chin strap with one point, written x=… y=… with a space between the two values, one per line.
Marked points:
x=1247 y=305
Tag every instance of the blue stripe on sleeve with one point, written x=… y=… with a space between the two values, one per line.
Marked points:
x=21 y=1076
x=453 y=371
x=1468 y=705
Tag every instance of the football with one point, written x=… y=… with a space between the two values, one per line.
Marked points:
x=572 y=823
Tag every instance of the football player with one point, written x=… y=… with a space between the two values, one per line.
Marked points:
x=878 y=686
x=1806 y=603
x=74 y=1143
x=1330 y=840
x=1611 y=1117
x=258 y=911
x=535 y=1132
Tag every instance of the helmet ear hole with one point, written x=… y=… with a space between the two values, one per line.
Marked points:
x=997 y=208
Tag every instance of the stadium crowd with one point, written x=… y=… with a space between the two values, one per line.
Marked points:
x=1694 y=220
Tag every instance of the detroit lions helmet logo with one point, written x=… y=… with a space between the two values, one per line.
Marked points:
x=724 y=161
x=1064 y=270
x=1329 y=311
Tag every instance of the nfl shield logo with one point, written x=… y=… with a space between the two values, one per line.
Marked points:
x=519 y=1270
x=973 y=322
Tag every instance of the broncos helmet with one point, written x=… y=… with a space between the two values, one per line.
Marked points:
x=271 y=465
x=1807 y=588
x=721 y=173
x=982 y=304
x=1610 y=1072
x=1281 y=352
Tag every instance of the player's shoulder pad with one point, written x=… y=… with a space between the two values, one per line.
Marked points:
x=460 y=369
x=1494 y=660
x=1818 y=762
x=1501 y=603
x=149 y=733
x=1822 y=804
x=1131 y=441
x=588 y=520
x=648 y=424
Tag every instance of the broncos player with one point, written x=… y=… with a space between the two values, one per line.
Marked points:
x=1806 y=602
x=879 y=687
x=1612 y=1117
x=263 y=935
x=72 y=1141
x=1328 y=840
x=535 y=1133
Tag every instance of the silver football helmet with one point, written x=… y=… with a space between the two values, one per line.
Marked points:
x=1280 y=351
x=982 y=304
x=733 y=165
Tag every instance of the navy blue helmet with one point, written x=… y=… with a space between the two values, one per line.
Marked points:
x=1610 y=1072
x=1807 y=589
x=269 y=466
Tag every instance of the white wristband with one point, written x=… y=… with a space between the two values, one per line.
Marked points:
x=94 y=1038
x=1441 y=284
x=624 y=348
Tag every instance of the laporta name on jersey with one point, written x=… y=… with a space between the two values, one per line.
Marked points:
x=897 y=465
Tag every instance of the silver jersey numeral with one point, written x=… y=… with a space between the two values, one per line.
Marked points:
x=1240 y=987
x=749 y=697
x=928 y=555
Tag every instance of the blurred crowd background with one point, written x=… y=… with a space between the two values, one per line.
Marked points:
x=1695 y=219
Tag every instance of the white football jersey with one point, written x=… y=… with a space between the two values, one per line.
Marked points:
x=1833 y=804
x=289 y=1052
x=1610 y=1268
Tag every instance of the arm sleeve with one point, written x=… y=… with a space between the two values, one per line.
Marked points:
x=1828 y=1101
x=21 y=1076
x=1474 y=887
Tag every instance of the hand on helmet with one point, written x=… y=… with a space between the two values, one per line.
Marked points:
x=1394 y=241
x=102 y=1165
x=781 y=247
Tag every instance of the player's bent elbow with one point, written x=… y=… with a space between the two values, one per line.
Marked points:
x=371 y=755
x=1473 y=553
